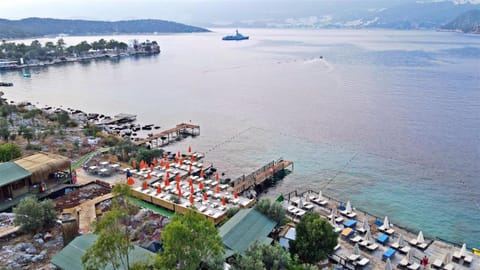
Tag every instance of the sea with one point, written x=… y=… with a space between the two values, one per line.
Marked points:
x=389 y=120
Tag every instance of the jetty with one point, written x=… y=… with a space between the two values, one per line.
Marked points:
x=170 y=134
x=261 y=175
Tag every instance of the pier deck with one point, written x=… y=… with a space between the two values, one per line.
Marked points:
x=261 y=175
x=172 y=133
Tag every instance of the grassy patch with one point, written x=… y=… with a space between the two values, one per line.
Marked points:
x=152 y=207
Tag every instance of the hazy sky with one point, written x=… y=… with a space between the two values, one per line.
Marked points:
x=187 y=11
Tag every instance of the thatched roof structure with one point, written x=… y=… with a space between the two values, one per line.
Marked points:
x=42 y=164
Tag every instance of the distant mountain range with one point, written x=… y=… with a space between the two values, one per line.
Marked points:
x=392 y=14
x=37 y=27
x=467 y=22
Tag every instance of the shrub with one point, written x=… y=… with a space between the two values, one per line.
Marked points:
x=32 y=215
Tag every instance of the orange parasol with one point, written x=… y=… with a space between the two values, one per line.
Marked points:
x=217 y=189
x=151 y=168
x=144 y=185
x=177 y=178
x=178 y=185
x=224 y=202
x=193 y=158
x=192 y=190
x=189 y=149
x=190 y=182
x=134 y=163
x=161 y=163
x=179 y=192
x=205 y=196
x=154 y=161
x=190 y=169
x=178 y=154
x=159 y=189
x=130 y=181
x=167 y=182
x=201 y=173
x=217 y=177
x=191 y=199
x=235 y=195
x=200 y=186
x=167 y=166
x=149 y=176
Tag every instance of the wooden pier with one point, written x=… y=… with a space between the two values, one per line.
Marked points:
x=261 y=175
x=167 y=135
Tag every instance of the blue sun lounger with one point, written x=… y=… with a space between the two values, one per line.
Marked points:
x=350 y=223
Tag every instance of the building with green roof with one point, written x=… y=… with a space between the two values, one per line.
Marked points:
x=245 y=228
x=14 y=181
x=70 y=257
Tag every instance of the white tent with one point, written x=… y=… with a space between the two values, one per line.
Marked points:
x=388 y=266
x=368 y=237
x=420 y=238
x=448 y=258
x=348 y=207
x=401 y=241
x=410 y=255
x=300 y=203
x=320 y=195
x=366 y=227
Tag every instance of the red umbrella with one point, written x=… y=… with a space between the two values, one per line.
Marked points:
x=190 y=182
x=201 y=173
x=167 y=182
x=167 y=176
x=161 y=163
x=149 y=176
x=159 y=189
x=191 y=199
x=200 y=186
x=205 y=196
x=189 y=149
x=181 y=162
x=190 y=169
x=167 y=166
x=178 y=154
x=217 y=177
x=179 y=192
x=178 y=185
x=177 y=178
x=217 y=189
x=151 y=168
x=155 y=161
x=192 y=190
x=134 y=163
x=235 y=195
x=130 y=181
x=193 y=158
x=144 y=185
x=164 y=156
x=224 y=202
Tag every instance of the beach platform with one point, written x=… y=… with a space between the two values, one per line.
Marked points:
x=170 y=134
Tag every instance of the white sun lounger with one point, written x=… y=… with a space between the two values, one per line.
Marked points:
x=403 y=262
x=405 y=249
x=437 y=263
x=449 y=266
x=356 y=239
x=372 y=247
x=363 y=262
x=414 y=266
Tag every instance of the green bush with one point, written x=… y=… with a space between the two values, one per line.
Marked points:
x=32 y=215
x=9 y=151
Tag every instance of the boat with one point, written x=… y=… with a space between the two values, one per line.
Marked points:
x=6 y=84
x=27 y=75
x=237 y=36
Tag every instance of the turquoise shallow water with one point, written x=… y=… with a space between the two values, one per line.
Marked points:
x=387 y=119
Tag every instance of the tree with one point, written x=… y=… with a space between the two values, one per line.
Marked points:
x=9 y=151
x=4 y=129
x=315 y=239
x=273 y=210
x=189 y=240
x=148 y=155
x=263 y=257
x=113 y=244
x=28 y=134
x=63 y=118
x=32 y=215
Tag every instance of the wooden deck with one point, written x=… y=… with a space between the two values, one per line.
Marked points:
x=259 y=176
x=87 y=212
x=169 y=133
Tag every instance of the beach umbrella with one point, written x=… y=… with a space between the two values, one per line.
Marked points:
x=167 y=182
x=178 y=185
x=177 y=178
x=181 y=161
x=388 y=265
x=167 y=175
x=165 y=156
x=200 y=185
x=235 y=195
x=217 y=177
x=300 y=203
x=401 y=241
x=149 y=176
x=144 y=185
x=162 y=163
x=190 y=182
x=191 y=199
x=386 y=223
x=348 y=208
x=420 y=238
x=193 y=158
x=190 y=169
x=205 y=196
x=409 y=255
x=448 y=258
x=463 y=250
x=189 y=149
x=192 y=190
x=320 y=195
x=201 y=173
x=366 y=227
x=167 y=166
x=224 y=201
x=306 y=196
x=368 y=237
x=334 y=212
x=179 y=192
x=356 y=249
x=151 y=167
x=159 y=189
x=179 y=154
x=217 y=189
x=155 y=161
x=130 y=181
x=134 y=164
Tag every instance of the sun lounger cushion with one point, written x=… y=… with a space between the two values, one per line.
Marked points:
x=356 y=239
x=350 y=223
x=395 y=245
x=383 y=238
x=437 y=263
x=363 y=262
x=372 y=247
x=468 y=259
x=388 y=254
x=414 y=266
x=403 y=262
x=422 y=246
x=448 y=266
